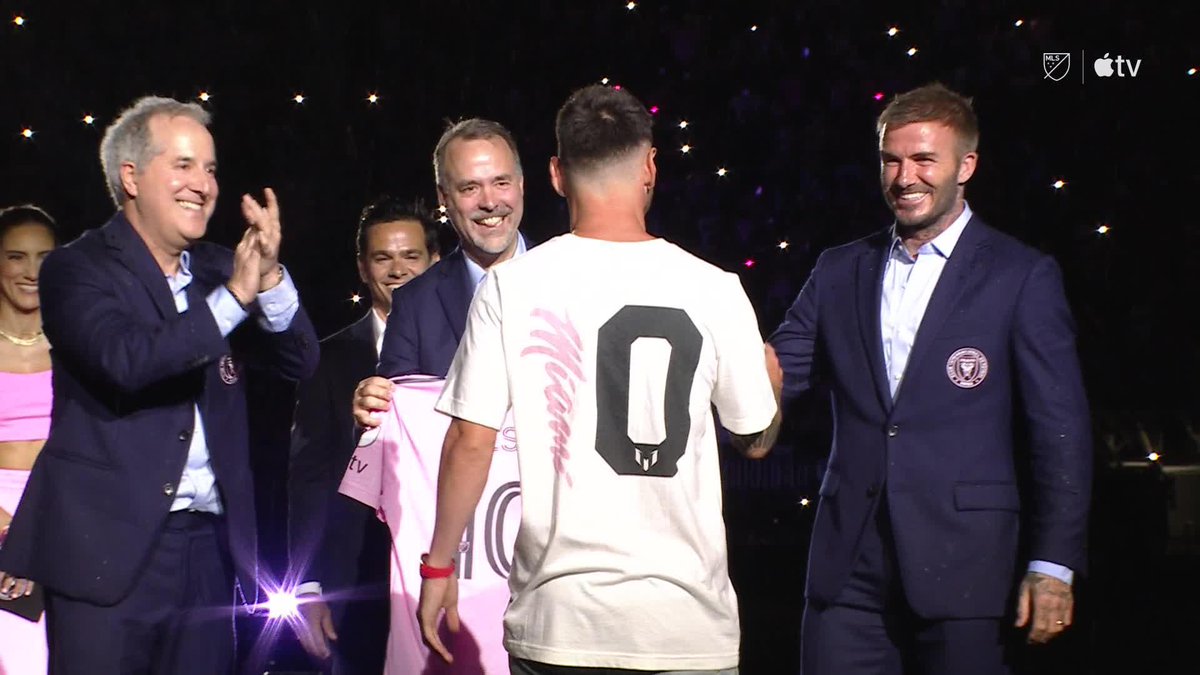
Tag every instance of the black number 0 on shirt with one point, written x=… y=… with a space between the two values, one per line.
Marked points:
x=615 y=339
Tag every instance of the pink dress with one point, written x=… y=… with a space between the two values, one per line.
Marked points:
x=24 y=416
x=395 y=470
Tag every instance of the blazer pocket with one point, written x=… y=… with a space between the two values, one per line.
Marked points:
x=829 y=486
x=986 y=497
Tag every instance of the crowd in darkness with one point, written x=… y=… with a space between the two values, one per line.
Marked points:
x=782 y=95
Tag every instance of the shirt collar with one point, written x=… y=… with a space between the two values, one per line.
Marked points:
x=944 y=243
x=476 y=273
x=183 y=277
x=378 y=325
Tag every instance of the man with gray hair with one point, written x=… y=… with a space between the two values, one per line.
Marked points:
x=139 y=515
x=482 y=187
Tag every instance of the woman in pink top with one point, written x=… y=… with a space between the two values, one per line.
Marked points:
x=26 y=237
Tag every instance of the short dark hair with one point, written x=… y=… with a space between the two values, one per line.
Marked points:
x=933 y=103
x=386 y=209
x=473 y=129
x=598 y=124
x=24 y=214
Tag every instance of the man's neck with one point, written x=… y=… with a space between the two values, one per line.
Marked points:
x=487 y=260
x=167 y=257
x=609 y=217
x=916 y=237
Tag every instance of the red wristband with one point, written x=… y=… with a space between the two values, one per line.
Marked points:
x=428 y=572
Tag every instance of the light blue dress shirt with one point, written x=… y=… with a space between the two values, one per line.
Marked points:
x=908 y=283
x=197 y=489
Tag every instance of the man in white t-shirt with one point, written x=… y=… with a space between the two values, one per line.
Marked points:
x=611 y=347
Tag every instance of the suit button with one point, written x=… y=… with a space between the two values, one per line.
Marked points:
x=168 y=489
x=185 y=434
x=892 y=431
x=873 y=490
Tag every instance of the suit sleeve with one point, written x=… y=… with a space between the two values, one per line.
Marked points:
x=1056 y=410
x=292 y=353
x=92 y=326
x=795 y=339
x=398 y=355
x=310 y=473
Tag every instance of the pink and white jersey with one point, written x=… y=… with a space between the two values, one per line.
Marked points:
x=395 y=470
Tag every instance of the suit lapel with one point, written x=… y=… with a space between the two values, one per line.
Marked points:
x=455 y=292
x=133 y=253
x=966 y=266
x=869 y=282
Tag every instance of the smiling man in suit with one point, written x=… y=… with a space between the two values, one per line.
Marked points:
x=938 y=339
x=481 y=185
x=139 y=514
x=339 y=548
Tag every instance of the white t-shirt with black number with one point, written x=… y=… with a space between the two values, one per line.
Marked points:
x=611 y=356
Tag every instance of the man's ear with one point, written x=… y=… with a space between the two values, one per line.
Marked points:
x=966 y=167
x=128 y=173
x=556 y=177
x=650 y=169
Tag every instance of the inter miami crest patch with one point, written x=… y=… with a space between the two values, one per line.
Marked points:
x=228 y=369
x=967 y=368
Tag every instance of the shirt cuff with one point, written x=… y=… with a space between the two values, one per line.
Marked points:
x=309 y=588
x=225 y=309
x=279 y=305
x=1063 y=574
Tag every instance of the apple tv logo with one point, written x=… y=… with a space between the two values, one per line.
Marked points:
x=1104 y=66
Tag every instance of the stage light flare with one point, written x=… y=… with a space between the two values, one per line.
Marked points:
x=1154 y=457
x=1103 y=229
x=630 y=5
x=1191 y=71
x=912 y=51
x=722 y=171
x=88 y=119
x=653 y=110
x=604 y=80
x=373 y=98
x=27 y=132
x=283 y=605
x=204 y=96
x=749 y=262
x=1059 y=184
x=356 y=298
x=298 y=98
x=804 y=501
x=1019 y=22
x=754 y=28
x=18 y=21
x=685 y=149
x=683 y=124
x=893 y=31
x=783 y=245
x=878 y=96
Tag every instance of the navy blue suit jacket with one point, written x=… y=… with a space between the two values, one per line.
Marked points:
x=948 y=457
x=128 y=368
x=427 y=320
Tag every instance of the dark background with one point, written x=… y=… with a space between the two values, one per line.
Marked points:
x=788 y=110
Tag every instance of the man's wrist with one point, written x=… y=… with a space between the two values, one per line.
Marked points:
x=271 y=279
